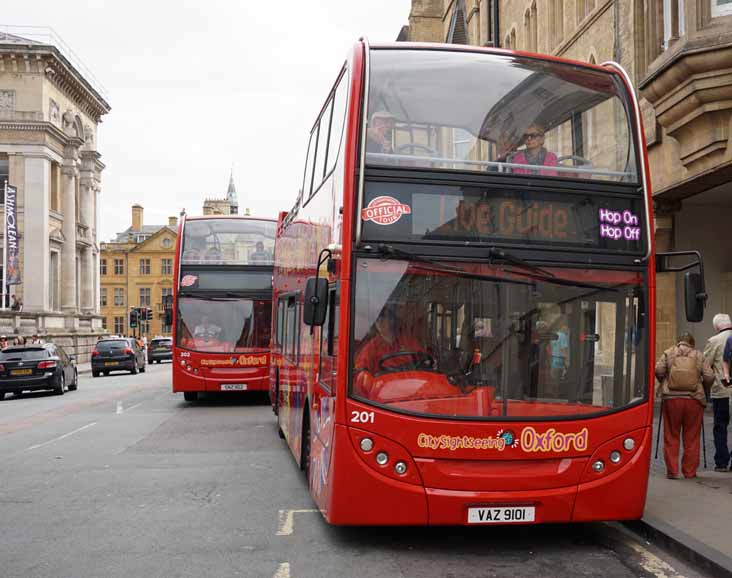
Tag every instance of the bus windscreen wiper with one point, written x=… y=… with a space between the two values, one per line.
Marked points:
x=537 y=273
x=500 y=254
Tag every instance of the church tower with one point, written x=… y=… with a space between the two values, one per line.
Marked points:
x=231 y=196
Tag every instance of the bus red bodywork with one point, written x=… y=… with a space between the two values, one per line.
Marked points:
x=222 y=303
x=419 y=443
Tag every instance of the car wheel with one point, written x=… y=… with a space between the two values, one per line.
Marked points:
x=106 y=373
x=134 y=368
x=60 y=384
x=190 y=395
x=95 y=374
x=2 y=395
x=18 y=393
x=74 y=386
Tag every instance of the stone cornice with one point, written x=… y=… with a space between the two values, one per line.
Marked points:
x=691 y=93
x=47 y=60
x=37 y=126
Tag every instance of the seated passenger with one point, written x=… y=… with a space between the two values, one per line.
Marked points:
x=534 y=153
x=259 y=255
x=379 y=134
x=385 y=339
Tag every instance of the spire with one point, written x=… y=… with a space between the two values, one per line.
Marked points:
x=231 y=195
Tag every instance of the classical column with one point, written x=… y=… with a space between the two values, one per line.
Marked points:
x=87 y=280
x=86 y=193
x=68 y=251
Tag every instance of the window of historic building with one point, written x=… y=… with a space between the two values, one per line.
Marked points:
x=166 y=266
x=103 y=297
x=166 y=243
x=4 y=175
x=144 y=327
x=144 y=266
x=119 y=325
x=102 y=266
x=144 y=296
x=104 y=323
x=584 y=8
x=165 y=292
x=556 y=22
x=55 y=190
x=510 y=40
x=531 y=29
x=119 y=266
x=458 y=31
x=119 y=297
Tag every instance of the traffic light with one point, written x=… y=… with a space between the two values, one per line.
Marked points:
x=148 y=314
x=133 y=318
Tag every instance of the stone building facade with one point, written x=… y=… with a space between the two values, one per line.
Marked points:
x=49 y=118
x=678 y=55
x=136 y=270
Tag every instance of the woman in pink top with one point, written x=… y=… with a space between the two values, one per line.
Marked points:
x=534 y=154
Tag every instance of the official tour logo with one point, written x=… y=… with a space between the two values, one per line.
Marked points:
x=385 y=211
x=188 y=280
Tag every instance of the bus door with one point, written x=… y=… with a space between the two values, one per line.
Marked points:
x=324 y=393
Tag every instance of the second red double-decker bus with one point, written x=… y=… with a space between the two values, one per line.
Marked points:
x=222 y=305
x=465 y=292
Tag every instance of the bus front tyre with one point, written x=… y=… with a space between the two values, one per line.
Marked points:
x=190 y=396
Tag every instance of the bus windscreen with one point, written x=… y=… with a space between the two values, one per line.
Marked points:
x=501 y=113
x=228 y=242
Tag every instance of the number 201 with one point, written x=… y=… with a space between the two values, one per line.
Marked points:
x=362 y=417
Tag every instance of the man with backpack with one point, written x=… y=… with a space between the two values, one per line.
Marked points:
x=684 y=376
x=720 y=393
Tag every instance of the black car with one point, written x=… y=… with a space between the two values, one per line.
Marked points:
x=160 y=348
x=36 y=367
x=117 y=354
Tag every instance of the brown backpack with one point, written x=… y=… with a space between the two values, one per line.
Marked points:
x=685 y=373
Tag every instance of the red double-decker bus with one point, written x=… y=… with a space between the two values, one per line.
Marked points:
x=222 y=304
x=464 y=292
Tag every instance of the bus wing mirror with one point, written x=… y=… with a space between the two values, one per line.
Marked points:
x=316 y=301
x=694 y=297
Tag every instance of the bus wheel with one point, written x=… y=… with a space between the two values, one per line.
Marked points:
x=190 y=395
x=305 y=453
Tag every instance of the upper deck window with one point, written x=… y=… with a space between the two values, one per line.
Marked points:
x=228 y=242
x=471 y=111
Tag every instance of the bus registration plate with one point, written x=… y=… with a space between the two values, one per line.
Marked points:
x=501 y=515
x=233 y=387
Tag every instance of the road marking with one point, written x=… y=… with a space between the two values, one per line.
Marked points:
x=283 y=571
x=287 y=521
x=87 y=426
x=653 y=564
x=121 y=408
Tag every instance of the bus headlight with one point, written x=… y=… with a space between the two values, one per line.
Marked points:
x=629 y=444
x=598 y=466
x=382 y=458
x=615 y=457
x=400 y=468
x=367 y=444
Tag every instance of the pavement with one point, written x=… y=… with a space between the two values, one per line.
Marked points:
x=692 y=517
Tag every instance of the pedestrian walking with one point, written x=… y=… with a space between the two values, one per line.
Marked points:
x=720 y=392
x=684 y=376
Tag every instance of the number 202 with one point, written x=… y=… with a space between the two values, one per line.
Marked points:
x=362 y=417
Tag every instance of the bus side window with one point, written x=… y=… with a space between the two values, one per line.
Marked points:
x=280 y=321
x=292 y=328
x=329 y=339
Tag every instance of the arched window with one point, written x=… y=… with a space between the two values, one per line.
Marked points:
x=556 y=22
x=533 y=32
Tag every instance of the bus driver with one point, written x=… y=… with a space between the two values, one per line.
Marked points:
x=206 y=330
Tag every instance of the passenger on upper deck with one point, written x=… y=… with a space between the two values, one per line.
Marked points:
x=380 y=132
x=534 y=153
x=259 y=255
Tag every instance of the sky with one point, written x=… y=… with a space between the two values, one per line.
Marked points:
x=198 y=87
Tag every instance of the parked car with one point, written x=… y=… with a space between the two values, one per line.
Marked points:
x=160 y=348
x=37 y=367
x=120 y=354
